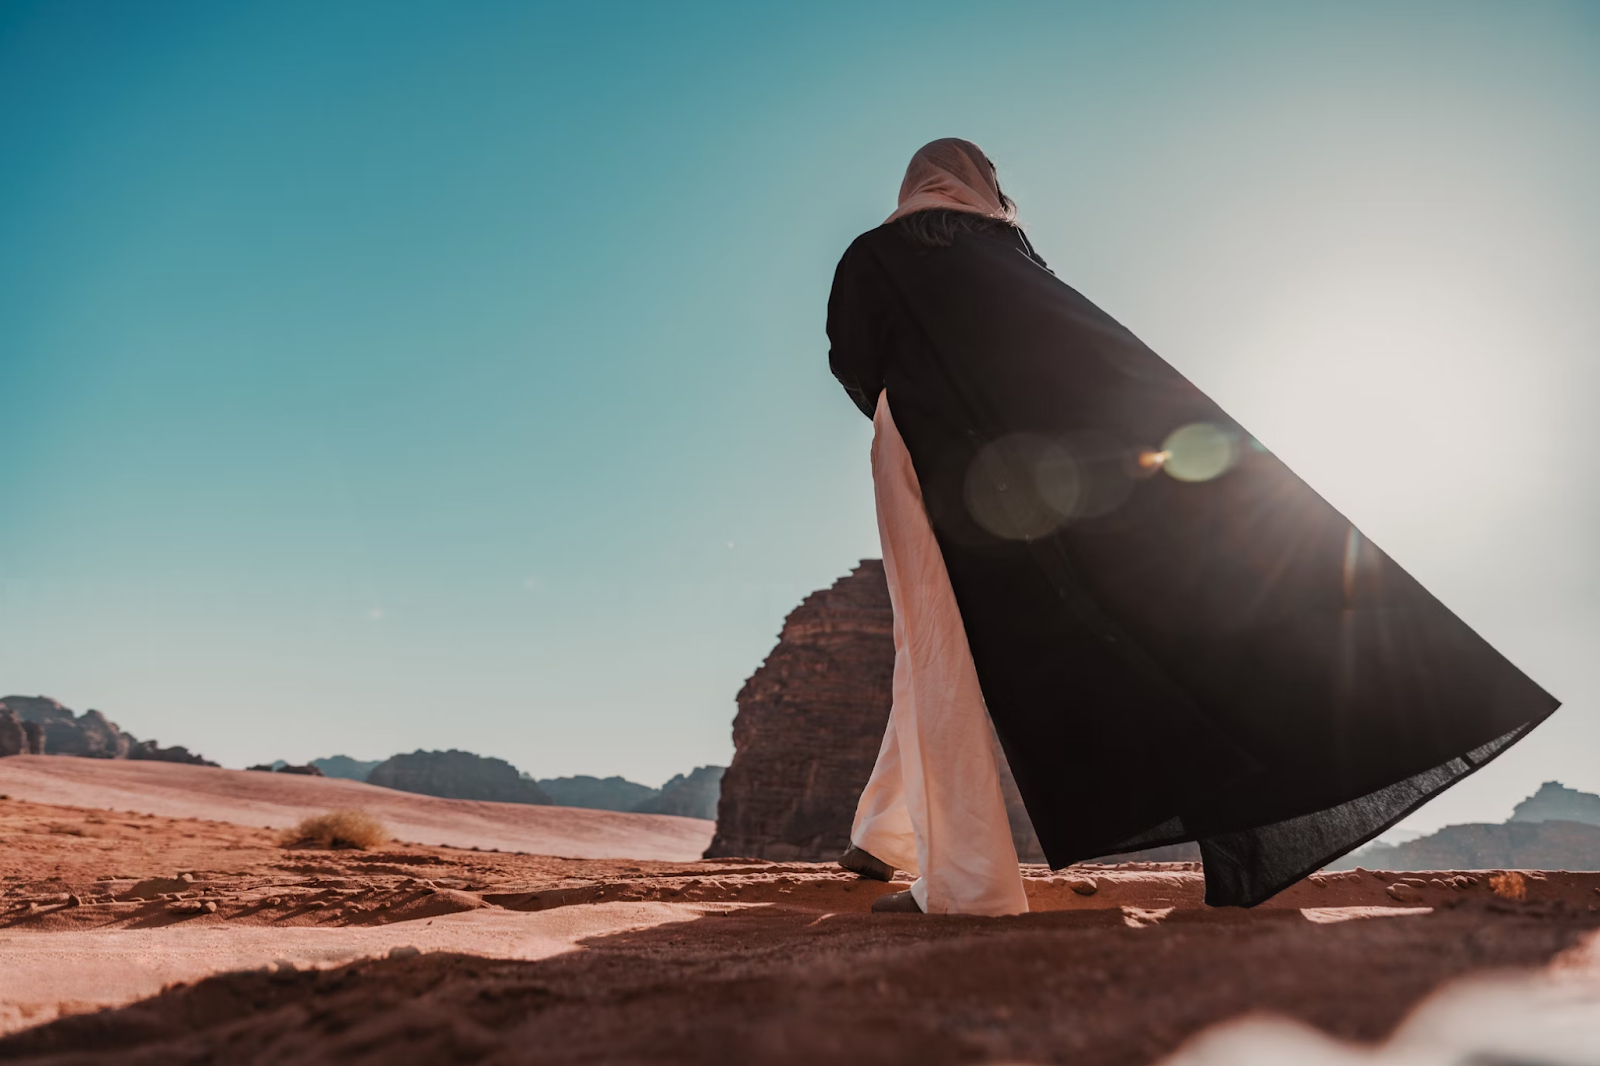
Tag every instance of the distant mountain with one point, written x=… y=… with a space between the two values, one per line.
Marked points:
x=1480 y=846
x=1554 y=802
x=1556 y=828
x=694 y=796
x=456 y=775
x=598 y=793
x=58 y=731
x=344 y=766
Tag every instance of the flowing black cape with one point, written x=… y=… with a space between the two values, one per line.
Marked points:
x=1222 y=659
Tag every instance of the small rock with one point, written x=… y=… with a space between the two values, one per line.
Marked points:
x=1401 y=892
x=275 y=901
x=186 y=877
x=209 y=907
x=184 y=906
x=74 y=901
x=1083 y=886
x=404 y=952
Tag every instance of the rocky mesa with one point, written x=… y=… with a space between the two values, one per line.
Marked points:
x=456 y=775
x=39 y=725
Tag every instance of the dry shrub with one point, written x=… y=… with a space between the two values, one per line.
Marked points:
x=1509 y=885
x=337 y=829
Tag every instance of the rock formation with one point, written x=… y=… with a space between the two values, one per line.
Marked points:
x=599 y=793
x=809 y=726
x=18 y=737
x=694 y=796
x=456 y=775
x=346 y=767
x=154 y=752
x=1554 y=802
x=57 y=731
x=1524 y=845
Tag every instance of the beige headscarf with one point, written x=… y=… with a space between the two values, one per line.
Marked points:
x=953 y=174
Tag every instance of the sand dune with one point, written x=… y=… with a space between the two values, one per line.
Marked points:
x=250 y=798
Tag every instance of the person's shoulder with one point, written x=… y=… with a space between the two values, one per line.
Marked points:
x=865 y=252
x=873 y=239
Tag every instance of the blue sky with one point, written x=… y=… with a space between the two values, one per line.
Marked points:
x=392 y=375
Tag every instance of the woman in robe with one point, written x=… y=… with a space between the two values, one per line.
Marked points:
x=1101 y=579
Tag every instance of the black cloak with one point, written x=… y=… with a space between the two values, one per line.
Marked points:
x=1177 y=638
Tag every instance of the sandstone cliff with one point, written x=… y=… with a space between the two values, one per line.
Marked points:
x=346 y=767
x=1550 y=845
x=18 y=737
x=598 y=793
x=809 y=726
x=456 y=775
x=1554 y=802
x=692 y=796
x=57 y=731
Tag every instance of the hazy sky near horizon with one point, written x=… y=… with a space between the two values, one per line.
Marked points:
x=390 y=375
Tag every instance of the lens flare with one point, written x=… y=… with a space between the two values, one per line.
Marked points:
x=1002 y=487
x=1026 y=485
x=1199 y=451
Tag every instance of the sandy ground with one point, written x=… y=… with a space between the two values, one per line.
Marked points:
x=279 y=800
x=204 y=941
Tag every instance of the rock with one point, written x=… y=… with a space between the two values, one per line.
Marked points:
x=1554 y=802
x=308 y=770
x=1083 y=886
x=150 y=751
x=456 y=775
x=53 y=729
x=154 y=888
x=404 y=951
x=694 y=796
x=345 y=767
x=209 y=906
x=809 y=726
x=599 y=793
x=1401 y=892
x=14 y=739
x=1527 y=845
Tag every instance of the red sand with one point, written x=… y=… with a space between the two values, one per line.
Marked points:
x=530 y=958
x=279 y=800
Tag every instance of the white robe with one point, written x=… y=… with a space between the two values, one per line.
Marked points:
x=933 y=805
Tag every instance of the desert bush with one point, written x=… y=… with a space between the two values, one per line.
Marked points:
x=336 y=829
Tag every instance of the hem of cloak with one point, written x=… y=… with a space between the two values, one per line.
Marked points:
x=1222 y=891
x=1238 y=895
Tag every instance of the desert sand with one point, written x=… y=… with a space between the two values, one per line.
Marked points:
x=281 y=800
x=134 y=938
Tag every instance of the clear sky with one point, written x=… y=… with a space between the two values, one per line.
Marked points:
x=388 y=375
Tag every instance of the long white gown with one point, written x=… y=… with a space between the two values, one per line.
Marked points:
x=933 y=805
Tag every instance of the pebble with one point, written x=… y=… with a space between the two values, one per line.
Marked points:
x=405 y=951
x=1401 y=892
x=1083 y=886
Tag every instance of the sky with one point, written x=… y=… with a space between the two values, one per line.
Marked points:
x=377 y=376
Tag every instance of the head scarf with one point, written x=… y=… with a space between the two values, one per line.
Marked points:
x=952 y=174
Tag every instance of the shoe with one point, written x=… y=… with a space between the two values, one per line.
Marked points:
x=870 y=866
x=897 y=903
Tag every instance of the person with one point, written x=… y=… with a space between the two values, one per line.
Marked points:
x=1103 y=582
